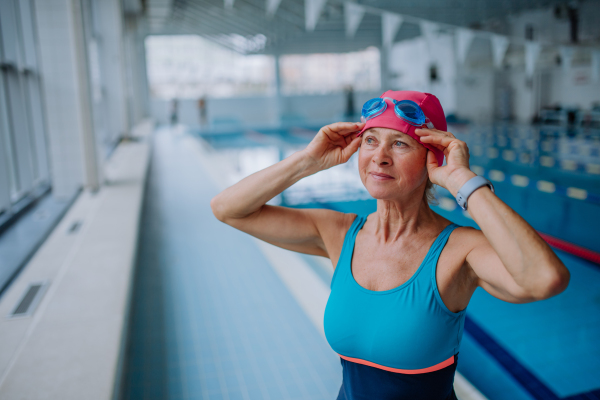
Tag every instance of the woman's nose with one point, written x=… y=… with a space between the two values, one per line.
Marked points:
x=381 y=156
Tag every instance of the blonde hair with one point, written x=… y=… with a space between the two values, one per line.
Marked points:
x=429 y=195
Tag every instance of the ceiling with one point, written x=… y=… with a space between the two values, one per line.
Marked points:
x=285 y=31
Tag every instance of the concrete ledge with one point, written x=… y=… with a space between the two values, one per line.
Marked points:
x=71 y=346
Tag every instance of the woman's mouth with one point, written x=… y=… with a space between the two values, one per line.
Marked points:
x=380 y=177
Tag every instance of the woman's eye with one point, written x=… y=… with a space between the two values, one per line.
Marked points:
x=399 y=143
x=369 y=141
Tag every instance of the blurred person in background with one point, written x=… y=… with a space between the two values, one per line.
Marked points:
x=174 y=111
x=349 y=112
x=403 y=275
x=202 y=112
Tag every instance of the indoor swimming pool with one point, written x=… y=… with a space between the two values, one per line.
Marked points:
x=201 y=331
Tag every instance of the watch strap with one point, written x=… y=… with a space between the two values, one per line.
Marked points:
x=469 y=187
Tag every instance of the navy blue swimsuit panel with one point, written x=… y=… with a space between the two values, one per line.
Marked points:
x=362 y=382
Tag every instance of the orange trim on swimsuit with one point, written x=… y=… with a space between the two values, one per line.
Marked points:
x=436 y=367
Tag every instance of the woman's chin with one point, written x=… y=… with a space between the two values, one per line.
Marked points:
x=382 y=194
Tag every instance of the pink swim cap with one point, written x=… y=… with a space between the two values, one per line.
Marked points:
x=431 y=108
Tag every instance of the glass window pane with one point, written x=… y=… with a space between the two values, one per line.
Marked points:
x=193 y=67
x=330 y=73
x=8 y=35
x=36 y=123
x=27 y=31
x=7 y=160
x=19 y=132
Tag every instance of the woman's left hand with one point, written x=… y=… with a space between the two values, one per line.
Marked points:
x=456 y=171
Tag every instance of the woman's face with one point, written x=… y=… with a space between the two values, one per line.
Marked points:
x=392 y=164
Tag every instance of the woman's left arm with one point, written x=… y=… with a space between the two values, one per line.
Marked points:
x=511 y=260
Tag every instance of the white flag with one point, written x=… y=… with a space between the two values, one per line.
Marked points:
x=532 y=51
x=353 y=14
x=272 y=6
x=429 y=30
x=390 y=23
x=312 y=11
x=464 y=38
x=499 y=47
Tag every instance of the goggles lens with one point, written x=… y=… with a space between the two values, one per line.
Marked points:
x=372 y=108
x=410 y=112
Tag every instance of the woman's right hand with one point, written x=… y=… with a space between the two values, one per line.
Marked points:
x=334 y=144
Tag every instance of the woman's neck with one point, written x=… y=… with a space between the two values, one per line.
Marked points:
x=395 y=219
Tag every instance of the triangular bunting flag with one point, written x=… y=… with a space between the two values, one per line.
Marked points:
x=353 y=14
x=272 y=6
x=499 y=47
x=532 y=51
x=464 y=37
x=390 y=23
x=312 y=11
x=429 y=30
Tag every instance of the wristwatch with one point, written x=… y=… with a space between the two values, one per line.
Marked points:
x=469 y=187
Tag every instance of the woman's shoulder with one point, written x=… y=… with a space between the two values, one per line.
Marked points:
x=330 y=223
x=465 y=237
x=333 y=226
x=462 y=240
x=336 y=221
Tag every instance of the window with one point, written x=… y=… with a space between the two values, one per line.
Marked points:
x=327 y=73
x=23 y=157
x=189 y=66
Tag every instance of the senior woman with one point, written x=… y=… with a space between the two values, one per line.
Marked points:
x=403 y=275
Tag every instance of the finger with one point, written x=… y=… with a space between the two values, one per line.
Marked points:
x=437 y=140
x=438 y=146
x=351 y=148
x=427 y=131
x=349 y=139
x=344 y=128
x=432 y=163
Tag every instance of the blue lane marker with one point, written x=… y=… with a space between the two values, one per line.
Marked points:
x=521 y=374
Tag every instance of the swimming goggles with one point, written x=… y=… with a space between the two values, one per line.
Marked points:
x=406 y=110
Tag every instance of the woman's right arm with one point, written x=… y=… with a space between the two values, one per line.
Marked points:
x=243 y=205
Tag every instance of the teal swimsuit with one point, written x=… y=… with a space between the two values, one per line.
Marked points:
x=405 y=339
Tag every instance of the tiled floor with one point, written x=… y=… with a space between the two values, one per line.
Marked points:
x=21 y=239
x=209 y=322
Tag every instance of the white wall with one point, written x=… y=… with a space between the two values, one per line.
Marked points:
x=409 y=64
x=574 y=88
x=475 y=94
